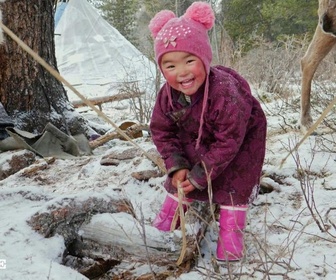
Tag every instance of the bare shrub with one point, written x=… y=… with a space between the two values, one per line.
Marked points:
x=323 y=93
x=146 y=92
x=307 y=179
x=140 y=106
x=273 y=67
x=274 y=72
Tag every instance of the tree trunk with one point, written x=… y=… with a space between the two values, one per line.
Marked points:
x=29 y=93
x=1 y=34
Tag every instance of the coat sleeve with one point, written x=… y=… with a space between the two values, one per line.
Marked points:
x=230 y=115
x=164 y=133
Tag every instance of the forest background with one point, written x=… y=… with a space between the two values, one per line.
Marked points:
x=264 y=40
x=238 y=22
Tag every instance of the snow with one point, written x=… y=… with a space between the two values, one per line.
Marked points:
x=283 y=239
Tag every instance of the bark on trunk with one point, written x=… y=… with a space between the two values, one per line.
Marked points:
x=1 y=34
x=30 y=94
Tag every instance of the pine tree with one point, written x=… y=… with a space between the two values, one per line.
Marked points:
x=121 y=14
x=268 y=18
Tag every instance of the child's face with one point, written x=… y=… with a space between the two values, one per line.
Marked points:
x=183 y=71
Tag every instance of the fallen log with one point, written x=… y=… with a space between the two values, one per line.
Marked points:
x=105 y=99
x=66 y=216
x=101 y=233
x=133 y=130
x=143 y=243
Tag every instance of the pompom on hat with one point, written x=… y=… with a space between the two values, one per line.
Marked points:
x=188 y=33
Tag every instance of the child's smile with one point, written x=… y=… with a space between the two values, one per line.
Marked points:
x=184 y=72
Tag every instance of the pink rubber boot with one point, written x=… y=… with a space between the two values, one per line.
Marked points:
x=164 y=218
x=232 y=222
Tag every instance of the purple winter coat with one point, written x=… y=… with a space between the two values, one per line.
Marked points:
x=233 y=139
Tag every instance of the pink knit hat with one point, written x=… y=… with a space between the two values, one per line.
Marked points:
x=188 y=33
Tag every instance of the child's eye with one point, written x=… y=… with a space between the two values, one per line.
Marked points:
x=170 y=67
x=190 y=61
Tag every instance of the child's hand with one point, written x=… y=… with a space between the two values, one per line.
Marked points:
x=180 y=180
x=179 y=176
x=187 y=186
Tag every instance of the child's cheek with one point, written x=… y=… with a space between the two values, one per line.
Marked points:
x=170 y=78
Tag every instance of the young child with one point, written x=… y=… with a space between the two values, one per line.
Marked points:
x=208 y=128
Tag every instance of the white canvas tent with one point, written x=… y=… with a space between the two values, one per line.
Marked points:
x=61 y=5
x=94 y=57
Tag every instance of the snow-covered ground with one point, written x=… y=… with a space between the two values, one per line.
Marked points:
x=283 y=237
